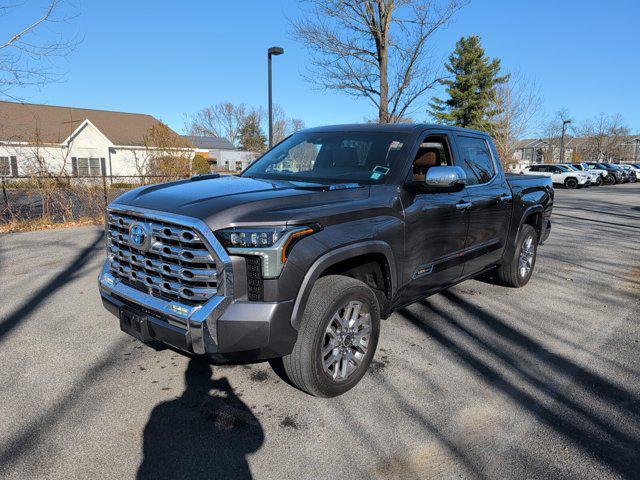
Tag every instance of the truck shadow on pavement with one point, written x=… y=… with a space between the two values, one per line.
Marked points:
x=207 y=432
x=587 y=410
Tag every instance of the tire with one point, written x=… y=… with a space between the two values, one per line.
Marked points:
x=511 y=272
x=571 y=183
x=329 y=297
x=610 y=180
x=598 y=181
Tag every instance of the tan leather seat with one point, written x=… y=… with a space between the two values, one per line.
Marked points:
x=425 y=159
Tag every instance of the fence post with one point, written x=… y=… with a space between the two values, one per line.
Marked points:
x=4 y=194
x=104 y=188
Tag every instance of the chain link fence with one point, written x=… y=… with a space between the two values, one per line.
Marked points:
x=33 y=200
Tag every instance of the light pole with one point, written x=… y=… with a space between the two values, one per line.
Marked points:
x=564 y=127
x=270 y=52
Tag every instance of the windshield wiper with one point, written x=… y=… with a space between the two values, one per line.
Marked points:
x=327 y=186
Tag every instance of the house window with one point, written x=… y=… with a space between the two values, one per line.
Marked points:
x=8 y=167
x=5 y=167
x=89 y=167
x=238 y=166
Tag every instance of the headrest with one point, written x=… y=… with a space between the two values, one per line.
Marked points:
x=426 y=158
x=336 y=157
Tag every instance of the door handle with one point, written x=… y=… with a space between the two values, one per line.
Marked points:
x=504 y=198
x=463 y=205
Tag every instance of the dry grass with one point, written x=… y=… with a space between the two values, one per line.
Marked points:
x=45 y=224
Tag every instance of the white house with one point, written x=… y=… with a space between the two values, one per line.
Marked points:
x=221 y=153
x=44 y=139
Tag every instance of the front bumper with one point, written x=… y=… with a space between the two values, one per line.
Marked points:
x=241 y=330
x=224 y=325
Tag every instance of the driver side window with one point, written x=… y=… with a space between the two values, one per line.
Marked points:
x=433 y=152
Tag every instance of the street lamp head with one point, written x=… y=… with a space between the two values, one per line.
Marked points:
x=275 y=51
x=566 y=121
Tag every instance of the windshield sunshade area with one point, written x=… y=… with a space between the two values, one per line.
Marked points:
x=333 y=157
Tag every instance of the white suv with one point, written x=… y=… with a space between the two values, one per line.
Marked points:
x=560 y=175
x=594 y=177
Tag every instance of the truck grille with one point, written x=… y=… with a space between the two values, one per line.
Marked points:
x=176 y=265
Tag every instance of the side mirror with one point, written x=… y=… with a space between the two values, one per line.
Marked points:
x=442 y=180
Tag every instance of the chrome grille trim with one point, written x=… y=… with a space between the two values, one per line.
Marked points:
x=177 y=266
x=200 y=320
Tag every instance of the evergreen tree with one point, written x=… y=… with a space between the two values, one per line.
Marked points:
x=472 y=90
x=251 y=137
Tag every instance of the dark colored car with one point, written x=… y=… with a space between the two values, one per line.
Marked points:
x=614 y=174
x=299 y=257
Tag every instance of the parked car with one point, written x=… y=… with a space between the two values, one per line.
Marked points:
x=614 y=175
x=559 y=174
x=302 y=254
x=594 y=177
x=583 y=167
x=626 y=176
x=631 y=172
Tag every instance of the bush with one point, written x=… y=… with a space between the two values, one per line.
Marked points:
x=200 y=165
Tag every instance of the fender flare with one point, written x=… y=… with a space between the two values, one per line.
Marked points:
x=530 y=210
x=332 y=257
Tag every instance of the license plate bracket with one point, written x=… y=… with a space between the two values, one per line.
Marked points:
x=135 y=324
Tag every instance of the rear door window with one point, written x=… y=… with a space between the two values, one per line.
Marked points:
x=475 y=159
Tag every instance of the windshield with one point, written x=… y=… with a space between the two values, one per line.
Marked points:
x=333 y=157
x=564 y=168
x=571 y=167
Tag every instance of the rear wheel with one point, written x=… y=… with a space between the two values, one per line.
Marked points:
x=571 y=183
x=337 y=338
x=517 y=271
x=598 y=181
x=609 y=180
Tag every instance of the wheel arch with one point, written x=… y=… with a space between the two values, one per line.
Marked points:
x=348 y=257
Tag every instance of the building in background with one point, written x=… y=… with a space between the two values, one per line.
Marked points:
x=544 y=150
x=78 y=142
x=221 y=154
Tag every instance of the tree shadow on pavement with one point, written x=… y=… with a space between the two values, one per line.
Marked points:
x=207 y=432
x=578 y=404
x=67 y=275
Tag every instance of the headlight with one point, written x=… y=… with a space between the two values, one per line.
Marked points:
x=272 y=244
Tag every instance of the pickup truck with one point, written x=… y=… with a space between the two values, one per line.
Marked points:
x=299 y=257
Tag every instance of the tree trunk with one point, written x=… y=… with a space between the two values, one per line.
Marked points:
x=383 y=113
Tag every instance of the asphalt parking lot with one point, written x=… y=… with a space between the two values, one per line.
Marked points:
x=480 y=381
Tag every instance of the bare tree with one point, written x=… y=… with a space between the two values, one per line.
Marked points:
x=518 y=101
x=164 y=153
x=27 y=53
x=222 y=120
x=552 y=133
x=602 y=138
x=375 y=49
x=284 y=126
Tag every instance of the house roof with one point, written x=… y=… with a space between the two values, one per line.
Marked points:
x=209 y=142
x=569 y=142
x=29 y=122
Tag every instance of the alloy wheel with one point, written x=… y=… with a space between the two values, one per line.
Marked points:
x=527 y=254
x=346 y=340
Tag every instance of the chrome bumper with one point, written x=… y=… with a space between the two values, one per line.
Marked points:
x=199 y=321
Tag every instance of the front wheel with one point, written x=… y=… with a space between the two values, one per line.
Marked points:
x=609 y=180
x=571 y=183
x=337 y=338
x=517 y=270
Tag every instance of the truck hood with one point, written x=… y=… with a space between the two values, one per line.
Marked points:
x=235 y=201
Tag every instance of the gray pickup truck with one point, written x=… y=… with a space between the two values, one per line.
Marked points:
x=299 y=257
